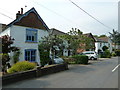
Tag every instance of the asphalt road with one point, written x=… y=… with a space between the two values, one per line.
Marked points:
x=98 y=74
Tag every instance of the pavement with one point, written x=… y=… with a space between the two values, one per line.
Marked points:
x=97 y=74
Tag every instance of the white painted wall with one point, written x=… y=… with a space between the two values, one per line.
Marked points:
x=99 y=45
x=6 y=32
x=19 y=34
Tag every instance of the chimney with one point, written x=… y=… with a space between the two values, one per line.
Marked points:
x=18 y=15
x=21 y=11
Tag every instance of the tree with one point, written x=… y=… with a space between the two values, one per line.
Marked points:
x=77 y=40
x=7 y=41
x=104 y=48
x=53 y=44
x=102 y=36
x=115 y=37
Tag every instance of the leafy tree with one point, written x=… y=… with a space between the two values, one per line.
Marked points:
x=104 y=48
x=7 y=41
x=115 y=37
x=96 y=36
x=102 y=36
x=77 y=40
x=52 y=43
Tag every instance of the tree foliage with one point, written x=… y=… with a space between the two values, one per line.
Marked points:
x=115 y=37
x=77 y=40
x=7 y=41
x=53 y=44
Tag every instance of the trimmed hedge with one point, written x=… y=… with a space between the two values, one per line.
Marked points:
x=80 y=59
x=21 y=66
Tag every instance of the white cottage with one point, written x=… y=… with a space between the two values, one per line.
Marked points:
x=103 y=41
x=27 y=30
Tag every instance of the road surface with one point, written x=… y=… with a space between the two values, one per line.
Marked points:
x=99 y=74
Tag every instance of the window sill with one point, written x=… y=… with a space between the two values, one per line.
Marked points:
x=31 y=42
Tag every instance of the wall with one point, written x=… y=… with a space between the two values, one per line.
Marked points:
x=6 y=32
x=99 y=45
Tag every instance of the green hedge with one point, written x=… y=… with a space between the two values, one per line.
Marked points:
x=106 y=54
x=80 y=59
x=21 y=66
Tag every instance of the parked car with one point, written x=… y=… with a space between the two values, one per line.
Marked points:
x=92 y=55
x=58 y=60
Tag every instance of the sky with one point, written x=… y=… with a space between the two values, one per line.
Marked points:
x=63 y=15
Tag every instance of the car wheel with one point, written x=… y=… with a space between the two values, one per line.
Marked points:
x=92 y=58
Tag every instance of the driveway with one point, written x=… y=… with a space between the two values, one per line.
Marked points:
x=98 y=74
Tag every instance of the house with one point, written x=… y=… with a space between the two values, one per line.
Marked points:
x=27 y=30
x=66 y=51
x=103 y=41
x=2 y=26
x=89 y=35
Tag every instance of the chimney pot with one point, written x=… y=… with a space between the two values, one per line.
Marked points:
x=21 y=11
x=18 y=15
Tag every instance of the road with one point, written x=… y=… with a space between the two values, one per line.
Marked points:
x=98 y=74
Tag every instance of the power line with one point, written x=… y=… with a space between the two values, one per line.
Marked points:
x=70 y=21
x=90 y=15
x=6 y=15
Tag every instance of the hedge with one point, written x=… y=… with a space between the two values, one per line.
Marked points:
x=80 y=59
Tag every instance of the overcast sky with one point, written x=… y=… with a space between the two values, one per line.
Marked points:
x=63 y=15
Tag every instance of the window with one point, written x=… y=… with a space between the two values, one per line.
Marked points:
x=31 y=35
x=30 y=55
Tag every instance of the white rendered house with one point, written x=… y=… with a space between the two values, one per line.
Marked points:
x=103 y=41
x=27 y=30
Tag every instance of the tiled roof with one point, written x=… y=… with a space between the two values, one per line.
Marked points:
x=24 y=15
x=56 y=32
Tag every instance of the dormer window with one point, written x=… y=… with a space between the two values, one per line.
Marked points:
x=31 y=35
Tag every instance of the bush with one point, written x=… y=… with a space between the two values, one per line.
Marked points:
x=16 y=56
x=68 y=60
x=21 y=66
x=113 y=54
x=44 y=55
x=117 y=52
x=106 y=54
x=104 y=48
x=80 y=59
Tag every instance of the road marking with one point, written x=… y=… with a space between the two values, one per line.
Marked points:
x=115 y=67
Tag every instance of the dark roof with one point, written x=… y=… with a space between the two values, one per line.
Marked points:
x=24 y=15
x=56 y=32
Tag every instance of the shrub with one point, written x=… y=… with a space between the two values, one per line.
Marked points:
x=16 y=56
x=21 y=66
x=104 y=48
x=106 y=54
x=117 y=52
x=80 y=59
x=68 y=60
x=44 y=55
x=113 y=54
